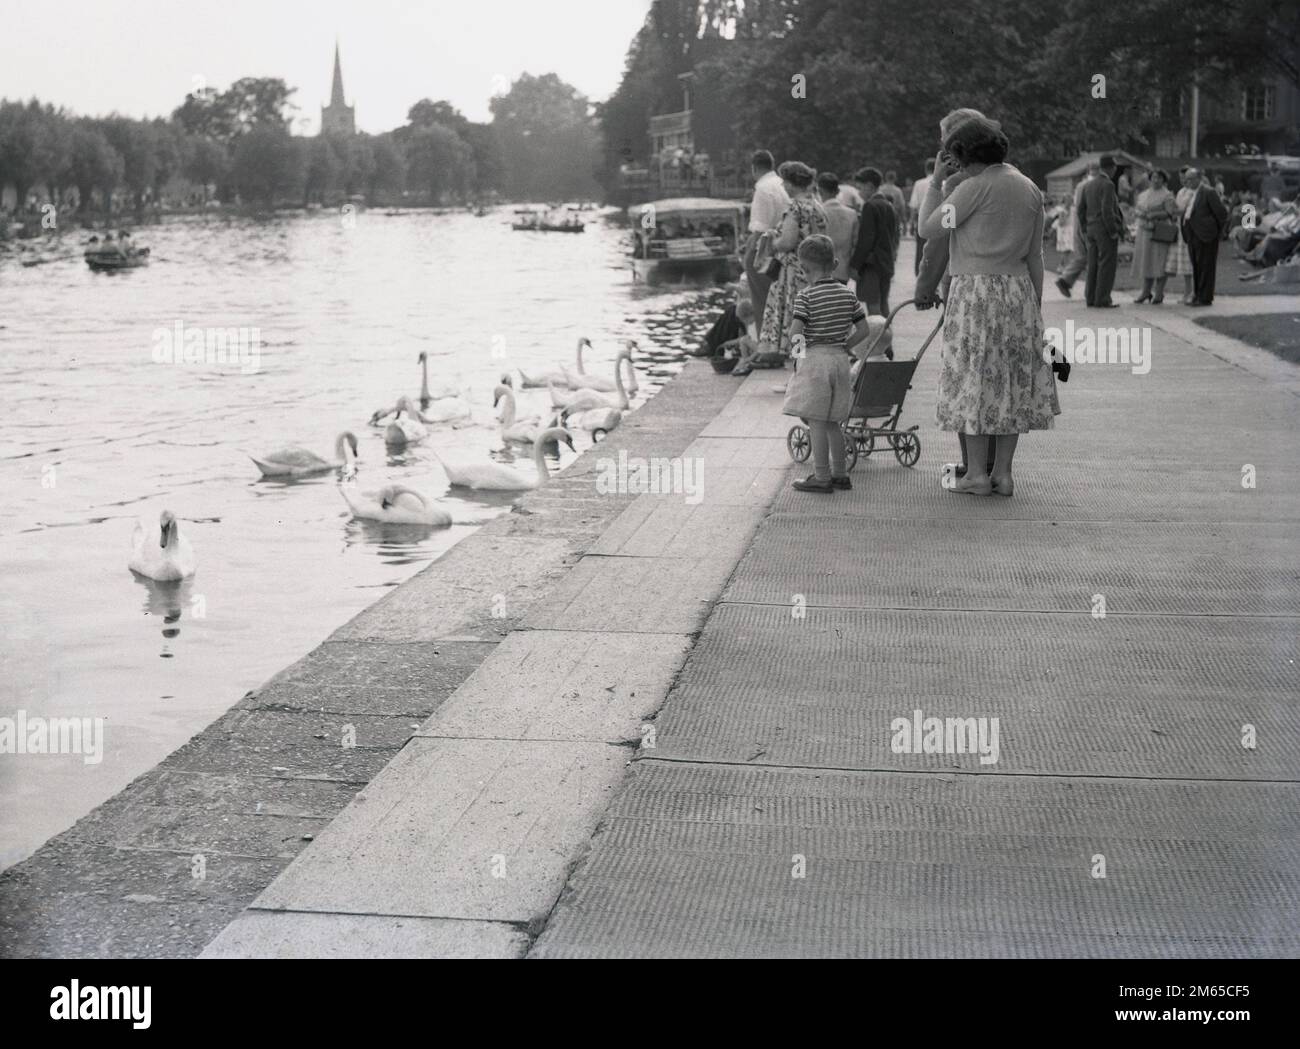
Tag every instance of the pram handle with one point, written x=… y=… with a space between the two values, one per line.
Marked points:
x=929 y=338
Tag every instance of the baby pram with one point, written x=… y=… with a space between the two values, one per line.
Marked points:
x=878 y=394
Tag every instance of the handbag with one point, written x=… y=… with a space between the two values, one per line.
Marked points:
x=773 y=269
x=1163 y=231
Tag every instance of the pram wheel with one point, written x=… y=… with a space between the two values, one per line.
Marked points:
x=907 y=448
x=798 y=442
x=866 y=442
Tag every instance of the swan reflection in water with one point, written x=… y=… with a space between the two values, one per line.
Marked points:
x=167 y=602
x=396 y=544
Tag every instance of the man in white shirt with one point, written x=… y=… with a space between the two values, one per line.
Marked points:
x=765 y=213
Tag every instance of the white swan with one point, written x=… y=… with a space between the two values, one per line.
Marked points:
x=161 y=553
x=588 y=397
x=395 y=504
x=494 y=476
x=403 y=431
x=581 y=380
x=537 y=380
x=299 y=462
x=512 y=428
x=441 y=393
x=445 y=410
x=593 y=420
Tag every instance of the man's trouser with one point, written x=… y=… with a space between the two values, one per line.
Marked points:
x=873 y=289
x=1103 y=253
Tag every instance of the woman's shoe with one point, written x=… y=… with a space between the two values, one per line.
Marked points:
x=1005 y=487
x=1144 y=297
x=1157 y=300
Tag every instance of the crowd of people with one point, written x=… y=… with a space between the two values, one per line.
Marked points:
x=1177 y=234
x=819 y=263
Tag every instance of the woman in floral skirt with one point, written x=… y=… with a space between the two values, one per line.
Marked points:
x=803 y=218
x=995 y=382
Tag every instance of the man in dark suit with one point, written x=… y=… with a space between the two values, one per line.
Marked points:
x=1203 y=223
x=877 y=244
x=1100 y=218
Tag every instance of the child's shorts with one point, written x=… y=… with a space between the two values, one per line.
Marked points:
x=821 y=387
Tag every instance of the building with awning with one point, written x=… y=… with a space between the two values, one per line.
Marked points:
x=1061 y=181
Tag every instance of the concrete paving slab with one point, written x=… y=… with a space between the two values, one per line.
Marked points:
x=1218 y=569
x=1160 y=696
x=708 y=861
x=666 y=526
x=663 y=595
x=470 y=829
x=266 y=934
x=758 y=414
x=564 y=685
x=479 y=575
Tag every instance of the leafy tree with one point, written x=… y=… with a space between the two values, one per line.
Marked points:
x=389 y=171
x=549 y=139
x=439 y=160
x=93 y=164
x=204 y=162
x=267 y=163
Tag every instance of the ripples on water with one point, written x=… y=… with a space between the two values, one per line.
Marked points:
x=94 y=433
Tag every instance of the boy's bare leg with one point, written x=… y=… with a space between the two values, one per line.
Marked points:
x=835 y=438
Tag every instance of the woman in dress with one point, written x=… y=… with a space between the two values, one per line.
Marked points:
x=803 y=218
x=1155 y=204
x=1179 y=262
x=995 y=382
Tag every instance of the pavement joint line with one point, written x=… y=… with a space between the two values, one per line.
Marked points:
x=527 y=739
x=592 y=630
x=1014 y=611
x=957 y=772
x=521 y=925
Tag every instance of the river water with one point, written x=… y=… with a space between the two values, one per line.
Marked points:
x=96 y=433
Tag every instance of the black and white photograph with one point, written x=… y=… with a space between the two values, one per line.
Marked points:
x=542 y=480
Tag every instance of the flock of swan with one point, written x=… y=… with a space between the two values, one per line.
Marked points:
x=580 y=401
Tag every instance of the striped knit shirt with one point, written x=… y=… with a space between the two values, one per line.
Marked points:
x=828 y=311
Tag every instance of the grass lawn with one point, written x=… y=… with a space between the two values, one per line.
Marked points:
x=1225 y=281
x=1279 y=333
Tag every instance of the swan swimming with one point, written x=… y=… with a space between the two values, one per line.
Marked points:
x=299 y=462
x=494 y=476
x=439 y=394
x=538 y=380
x=581 y=379
x=512 y=428
x=394 y=504
x=593 y=420
x=403 y=431
x=161 y=553
x=588 y=397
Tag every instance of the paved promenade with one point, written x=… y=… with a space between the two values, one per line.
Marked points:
x=688 y=745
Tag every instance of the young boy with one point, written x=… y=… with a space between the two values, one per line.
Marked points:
x=828 y=321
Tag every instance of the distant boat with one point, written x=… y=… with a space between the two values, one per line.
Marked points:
x=102 y=261
x=554 y=221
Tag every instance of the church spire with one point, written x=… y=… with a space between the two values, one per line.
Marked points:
x=336 y=95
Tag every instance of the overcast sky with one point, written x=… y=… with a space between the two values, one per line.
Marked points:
x=140 y=57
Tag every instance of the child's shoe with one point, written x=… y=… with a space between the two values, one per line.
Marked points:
x=811 y=484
